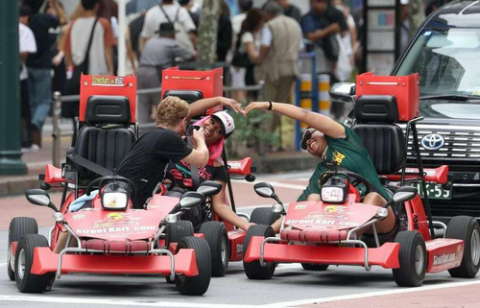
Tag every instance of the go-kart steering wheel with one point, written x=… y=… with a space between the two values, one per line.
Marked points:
x=357 y=178
x=100 y=181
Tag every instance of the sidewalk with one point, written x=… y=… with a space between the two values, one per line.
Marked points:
x=36 y=161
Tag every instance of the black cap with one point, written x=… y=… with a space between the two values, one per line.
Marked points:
x=166 y=28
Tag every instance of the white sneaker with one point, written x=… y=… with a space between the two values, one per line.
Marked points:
x=33 y=148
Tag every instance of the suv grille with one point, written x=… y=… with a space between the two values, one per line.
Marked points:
x=461 y=148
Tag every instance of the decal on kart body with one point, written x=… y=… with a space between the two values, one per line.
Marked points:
x=78 y=216
x=300 y=206
x=449 y=257
x=117 y=220
x=124 y=229
x=322 y=222
x=331 y=211
x=105 y=80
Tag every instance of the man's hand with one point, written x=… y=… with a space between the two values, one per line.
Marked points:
x=257 y=105
x=199 y=136
x=335 y=28
x=247 y=225
x=236 y=106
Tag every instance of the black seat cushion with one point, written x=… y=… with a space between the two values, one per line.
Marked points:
x=108 y=109
x=385 y=144
x=104 y=146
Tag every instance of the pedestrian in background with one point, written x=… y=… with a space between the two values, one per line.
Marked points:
x=27 y=46
x=39 y=67
x=159 y=53
x=281 y=41
x=224 y=33
x=290 y=10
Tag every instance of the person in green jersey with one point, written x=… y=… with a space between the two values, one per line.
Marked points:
x=333 y=142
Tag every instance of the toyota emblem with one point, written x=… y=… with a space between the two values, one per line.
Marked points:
x=433 y=142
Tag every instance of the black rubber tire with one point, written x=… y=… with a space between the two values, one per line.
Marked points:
x=466 y=228
x=30 y=283
x=176 y=231
x=195 y=285
x=408 y=275
x=264 y=216
x=217 y=238
x=19 y=226
x=254 y=270
x=314 y=267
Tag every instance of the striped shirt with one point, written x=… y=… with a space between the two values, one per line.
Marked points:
x=162 y=51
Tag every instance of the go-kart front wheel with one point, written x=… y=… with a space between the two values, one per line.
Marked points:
x=26 y=281
x=19 y=226
x=264 y=216
x=413 y=259
x=467 y=229
x=254 y=270
x=217 y=238
x=195 y=285
x=177 y=230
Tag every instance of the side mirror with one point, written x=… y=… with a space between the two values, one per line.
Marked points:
x=405 y=193
x=191 y=199
x=343 y=92
x=264 y=190
x=209 y=188
x=38 y=197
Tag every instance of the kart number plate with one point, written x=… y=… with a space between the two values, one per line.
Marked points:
x=435 y=191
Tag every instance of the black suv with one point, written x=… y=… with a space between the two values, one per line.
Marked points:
x=446 y=53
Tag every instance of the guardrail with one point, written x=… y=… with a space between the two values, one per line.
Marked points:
x=58 y=99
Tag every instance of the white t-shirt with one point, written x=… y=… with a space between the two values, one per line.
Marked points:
x=237 y=22
x=248 y=37
x=27 y=43
x=155 y=17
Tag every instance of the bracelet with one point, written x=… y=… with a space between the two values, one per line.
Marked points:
x=270 y=106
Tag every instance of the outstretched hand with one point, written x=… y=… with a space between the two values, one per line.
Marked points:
x=236 y=106
x=257 y=105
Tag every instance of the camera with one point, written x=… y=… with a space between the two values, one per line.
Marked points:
x=190 y=129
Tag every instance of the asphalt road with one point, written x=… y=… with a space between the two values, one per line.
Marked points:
x=291 y=286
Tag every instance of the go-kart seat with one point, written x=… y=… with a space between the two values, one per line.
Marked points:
x=375 y=125
x=105 y=137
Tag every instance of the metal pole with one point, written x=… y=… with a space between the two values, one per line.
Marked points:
x=10 y=155
x=122 y=50
x=56 y=134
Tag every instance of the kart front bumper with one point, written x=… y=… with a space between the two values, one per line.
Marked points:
x=385 y=256
x=46 y=261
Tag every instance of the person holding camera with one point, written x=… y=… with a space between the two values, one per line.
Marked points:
x=217 y=127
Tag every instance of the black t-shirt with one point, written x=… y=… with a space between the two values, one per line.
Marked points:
x=146 y=162
x=40 y=24
x=183 y=175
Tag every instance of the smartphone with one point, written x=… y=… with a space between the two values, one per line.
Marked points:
x=191 y=128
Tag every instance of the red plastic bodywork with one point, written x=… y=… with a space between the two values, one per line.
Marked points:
x=209 y=83
x=404 y=88
x=53 y=175
x=444 y=254
x=108 y=85
x=236 y=238
x=438 y=175
x=242 y=167
x=385 y=256
x=46 y=261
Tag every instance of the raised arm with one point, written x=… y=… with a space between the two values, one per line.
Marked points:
x=315 y=120
x=200 y=106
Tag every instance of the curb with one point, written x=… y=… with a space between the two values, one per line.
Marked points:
x=18 y=185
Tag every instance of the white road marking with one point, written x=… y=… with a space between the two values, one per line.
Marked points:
x=275 y=184
x=371 y=294
x=114 y=302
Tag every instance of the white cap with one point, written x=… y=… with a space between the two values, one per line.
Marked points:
x=404 y=2
x=227 y=122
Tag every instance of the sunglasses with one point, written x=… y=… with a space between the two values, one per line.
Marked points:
x=307 y=136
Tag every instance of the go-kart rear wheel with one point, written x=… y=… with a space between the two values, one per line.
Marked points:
x=217 y=239
x=19 y=226
x=314 y=267
x=26 y=281
x=264 y=216
x=177 y=230
x=413 y=259
x=195 y=285
x=254 y=270
x=467 y=229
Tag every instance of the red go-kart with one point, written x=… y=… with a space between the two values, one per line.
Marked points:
x=319 y=234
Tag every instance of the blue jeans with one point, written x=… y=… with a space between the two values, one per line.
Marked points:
x=40 y=94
